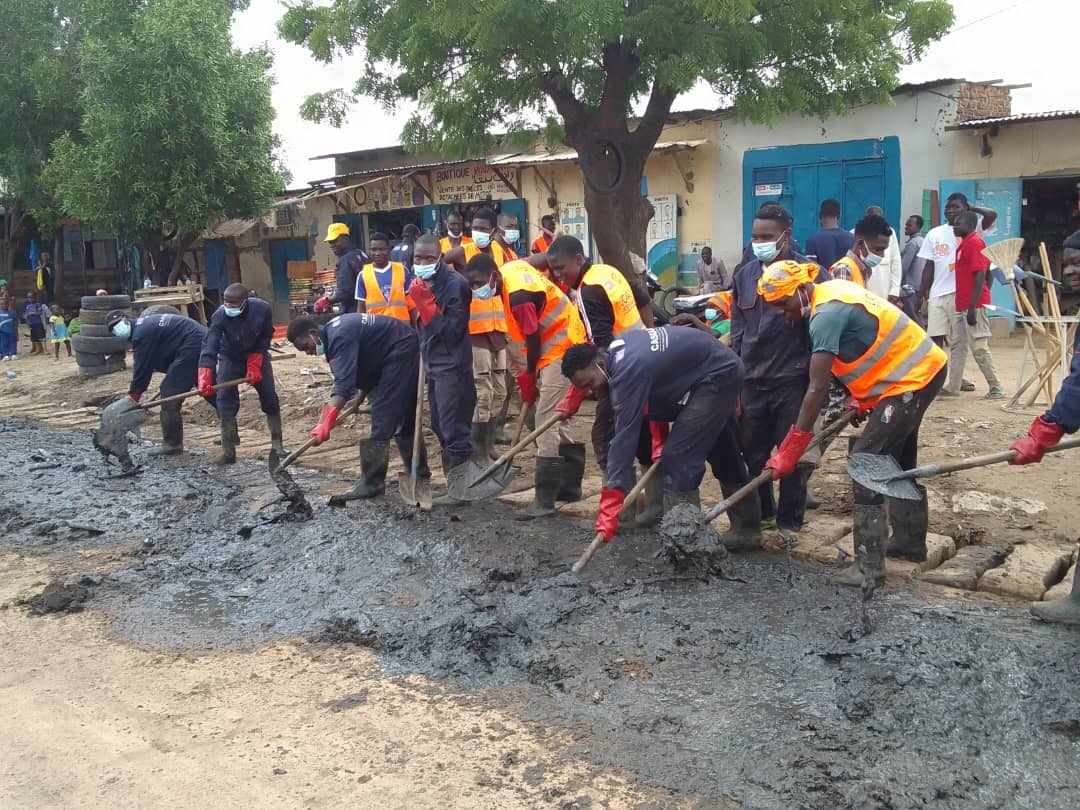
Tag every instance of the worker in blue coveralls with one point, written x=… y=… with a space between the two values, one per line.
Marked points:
x=168 y=343
x=237 y=344
x=379 y=355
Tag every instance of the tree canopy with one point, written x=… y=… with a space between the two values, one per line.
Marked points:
x=482 y=69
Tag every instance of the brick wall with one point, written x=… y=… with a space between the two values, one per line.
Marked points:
x=976 y=101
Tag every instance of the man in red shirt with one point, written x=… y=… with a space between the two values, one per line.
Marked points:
x=972 y=326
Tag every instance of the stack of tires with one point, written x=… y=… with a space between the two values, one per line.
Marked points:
x=97 y=351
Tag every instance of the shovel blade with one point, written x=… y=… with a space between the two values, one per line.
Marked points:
x=881 y=474
x=473 y=490
x=291 y=490
x=415 y=491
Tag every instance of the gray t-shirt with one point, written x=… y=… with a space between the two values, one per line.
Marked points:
x=844 y=330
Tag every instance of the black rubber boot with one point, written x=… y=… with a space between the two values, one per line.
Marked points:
x=811 y=500
x=908 y=521
x=673 y=499
x=479 y=445
x=869 y=529
x=649 y=515
x=373 y=464
x=172 y=431
x=491 y=429
x=499 y=434
x=230 y=437
x=1061 y=611
x=745 y=519
x=548 y=479
x=573 y=470
x=273 y=420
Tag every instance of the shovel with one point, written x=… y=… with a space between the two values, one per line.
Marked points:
x=882 y=474
x=284 y=481
x=414 y=490
x=500 y=472
x=177 y=397
x=631 y=496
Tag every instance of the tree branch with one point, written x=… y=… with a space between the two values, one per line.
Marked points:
x=652 y=122
x=575 y=115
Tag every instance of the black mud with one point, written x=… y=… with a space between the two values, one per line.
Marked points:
x=726 y=689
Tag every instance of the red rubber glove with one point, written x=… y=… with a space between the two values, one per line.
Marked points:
x=526 y=384
x=254 y=368
x=321 y=432
x=423 y=299
x=659 y=433
x=135 y=396
x=570 y=403
x=206 y=381
x=1041 y=436
x=787 y=455
x=607 y=520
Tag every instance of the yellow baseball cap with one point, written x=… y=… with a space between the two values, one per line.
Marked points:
x=336 y=229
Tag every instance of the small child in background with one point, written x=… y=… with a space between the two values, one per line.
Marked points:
x=9 y=329
x=59 y=332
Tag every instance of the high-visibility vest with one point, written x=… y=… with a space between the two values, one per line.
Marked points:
x=490 y=315
x=902 y=358
x=446 y=246
x=722 y=301
x=847 y=269
x=560 y=324
x=375 y=303
x=619 y=295
x=541 y=243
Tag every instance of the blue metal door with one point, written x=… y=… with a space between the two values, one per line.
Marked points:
x=283 y=251
x=217 y=278
x=1004 y=195
x=857 y=173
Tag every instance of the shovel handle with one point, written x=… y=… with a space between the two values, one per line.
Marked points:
x=930 y=470
x=508 y=456
x=631 y=496
x=177 y=397
x=346 y=411
x=765 y=476
x=418 y=423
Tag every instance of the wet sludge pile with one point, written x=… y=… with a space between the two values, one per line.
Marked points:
x=741 y=688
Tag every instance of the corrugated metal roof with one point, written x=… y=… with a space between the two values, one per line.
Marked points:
x=1019 y=118
x=544 y=158
x=228 y=228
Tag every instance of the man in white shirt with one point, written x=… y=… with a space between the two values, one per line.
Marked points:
x=939 y=276
x=886 y=278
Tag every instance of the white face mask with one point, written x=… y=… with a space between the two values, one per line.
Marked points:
x=454 y=234
x=512 y=234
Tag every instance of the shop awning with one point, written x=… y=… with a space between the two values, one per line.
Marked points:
x=228 y=228
x=343 y=189
x=570 y=155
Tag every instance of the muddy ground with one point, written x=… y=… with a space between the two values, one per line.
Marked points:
x=209 y=647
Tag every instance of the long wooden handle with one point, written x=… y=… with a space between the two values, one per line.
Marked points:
x=177 y=397
x=508 y=456
x=418 y=423
x=598 y=540
x=348 y=410
x=765 y=476
x=930 y=470
x=521 y=422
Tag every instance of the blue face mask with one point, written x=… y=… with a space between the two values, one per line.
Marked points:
x=512 y=235
x=872 y=260
x=711 y=313
x=233 y=312
x=122 y=329
x=765 y=251
x=481 y=239
x=320 y=350
x=425 y=271
x=484 y=293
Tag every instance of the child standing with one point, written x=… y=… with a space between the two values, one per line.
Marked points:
x=59 y=333
x=9 y=329
x=35 y=316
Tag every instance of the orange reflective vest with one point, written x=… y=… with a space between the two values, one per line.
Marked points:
x=375 y=303
x=490 y=315
x=560 y=324
x=722 y=302
x=446 y=246
x=619 y=294
x=847 y=269
x=902 y=358
x=541 y=243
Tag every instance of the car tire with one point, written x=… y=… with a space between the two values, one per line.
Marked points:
x=99 y=345
x=88 y=359
x=101 y=371
x=97 y=316
x=105 y=302
x=94 y=330
x=160 y=309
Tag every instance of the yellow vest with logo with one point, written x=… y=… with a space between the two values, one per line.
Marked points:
x=560 y=324
x=619 y=294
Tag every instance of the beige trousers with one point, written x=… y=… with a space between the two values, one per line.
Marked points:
x=489 y=372
x=977 y=338
x=553 y=387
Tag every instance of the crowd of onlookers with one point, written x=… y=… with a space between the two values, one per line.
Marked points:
x=44 y=320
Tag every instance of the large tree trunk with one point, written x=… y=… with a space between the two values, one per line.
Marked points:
x=183 y=244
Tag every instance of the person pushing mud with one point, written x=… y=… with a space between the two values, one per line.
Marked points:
x=237 y=344
x=379 y=355
x=893 y=371
x=668 y=374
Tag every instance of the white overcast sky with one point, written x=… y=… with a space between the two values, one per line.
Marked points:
x=1034 y=41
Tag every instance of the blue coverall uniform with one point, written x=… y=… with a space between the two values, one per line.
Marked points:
x=1066 y=408
x=227 y=345
x=447 y=351
x=381 y=356
x=686 y=377
x=170 y=344
x=348 y=270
